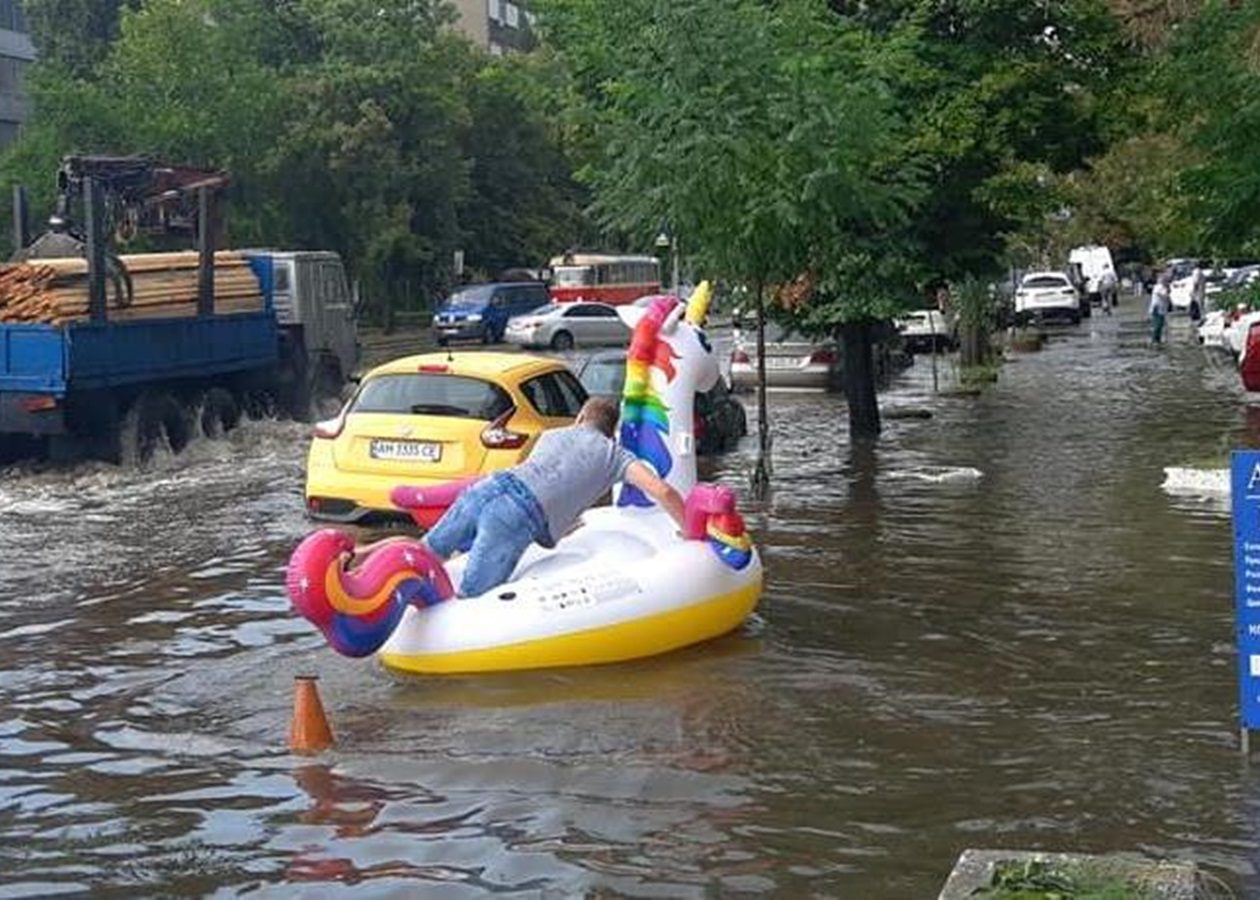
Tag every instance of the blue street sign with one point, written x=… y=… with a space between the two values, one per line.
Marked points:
x=1245 y=487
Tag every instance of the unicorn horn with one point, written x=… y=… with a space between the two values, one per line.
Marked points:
x=698 y=305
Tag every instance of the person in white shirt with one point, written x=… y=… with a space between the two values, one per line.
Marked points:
x=1161 y=303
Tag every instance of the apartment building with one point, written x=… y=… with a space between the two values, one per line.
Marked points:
x=16 y=53
x=500 y=26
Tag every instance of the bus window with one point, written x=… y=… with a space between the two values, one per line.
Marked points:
x=573 y=276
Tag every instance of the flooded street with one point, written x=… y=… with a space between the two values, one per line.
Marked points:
x=994 y=628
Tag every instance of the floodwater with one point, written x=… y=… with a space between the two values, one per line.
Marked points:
x=993 y=628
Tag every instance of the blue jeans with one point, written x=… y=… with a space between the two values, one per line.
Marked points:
x=1157 y=328
x=494 y=522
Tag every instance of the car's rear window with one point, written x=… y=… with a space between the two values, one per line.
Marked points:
x=432 y=394
x=1044 y=281
x=604 y=377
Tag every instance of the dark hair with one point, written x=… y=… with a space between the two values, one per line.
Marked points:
x=603 y=413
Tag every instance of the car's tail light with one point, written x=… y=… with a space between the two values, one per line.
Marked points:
x=330 y=429
x=823 y=357
x=739 y=356
x=497 y=436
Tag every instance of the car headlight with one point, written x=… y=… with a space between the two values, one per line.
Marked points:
x=475 y=317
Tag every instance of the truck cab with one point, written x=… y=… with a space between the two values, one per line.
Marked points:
x=315 y=311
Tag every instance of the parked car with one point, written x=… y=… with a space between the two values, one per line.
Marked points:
x=434 y=418
x=720 y=418
x=793 y=361
x=480 y=312
x=927 y=329
x=563 y=326
x=1214 y=332
x=1048 y=295
x=1181 y=274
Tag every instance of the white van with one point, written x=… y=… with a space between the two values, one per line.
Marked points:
x=1098 y=275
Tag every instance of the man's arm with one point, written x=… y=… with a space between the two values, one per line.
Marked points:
x=668 y=499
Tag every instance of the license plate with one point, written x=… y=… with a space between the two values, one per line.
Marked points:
x=422 y=451
x=777 y=362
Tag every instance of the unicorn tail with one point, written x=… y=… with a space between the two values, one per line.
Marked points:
x=357 y=610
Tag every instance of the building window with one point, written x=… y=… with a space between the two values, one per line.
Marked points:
x=493 y=11
x=512 y=15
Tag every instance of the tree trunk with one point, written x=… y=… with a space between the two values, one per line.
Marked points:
x=859 y=380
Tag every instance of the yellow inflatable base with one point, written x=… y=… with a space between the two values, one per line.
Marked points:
x=615 y=643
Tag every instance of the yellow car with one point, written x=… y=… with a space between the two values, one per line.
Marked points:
x=434 y=418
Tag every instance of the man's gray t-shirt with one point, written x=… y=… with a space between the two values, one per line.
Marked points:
x=569 y=470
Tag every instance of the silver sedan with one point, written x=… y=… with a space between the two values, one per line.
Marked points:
x=563 y=326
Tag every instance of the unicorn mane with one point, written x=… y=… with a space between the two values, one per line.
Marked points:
x=644 y=414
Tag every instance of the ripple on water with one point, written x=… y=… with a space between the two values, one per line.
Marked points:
x=990 y=626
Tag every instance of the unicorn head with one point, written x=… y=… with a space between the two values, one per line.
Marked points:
x=669 y=360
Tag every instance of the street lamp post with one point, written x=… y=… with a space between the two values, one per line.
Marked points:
x=666 y=241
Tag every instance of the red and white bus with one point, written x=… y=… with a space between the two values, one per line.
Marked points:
x=604 y=277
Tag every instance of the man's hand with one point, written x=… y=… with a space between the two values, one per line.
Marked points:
x=641 y=476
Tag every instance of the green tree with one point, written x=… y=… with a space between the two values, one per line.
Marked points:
x=386 y=136
x=1209 y=85
x=763 y=136
x=523 y=204
x=997 y=92
x=74 y=35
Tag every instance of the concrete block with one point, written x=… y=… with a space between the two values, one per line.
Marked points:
x=1162 y=880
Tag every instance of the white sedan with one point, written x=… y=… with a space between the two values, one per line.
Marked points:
x=926 y=329
x=563 y=326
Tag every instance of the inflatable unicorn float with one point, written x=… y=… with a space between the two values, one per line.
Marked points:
x=626 y=583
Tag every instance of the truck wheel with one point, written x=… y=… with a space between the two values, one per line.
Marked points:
x=154 y=417
x=219 y=413
x=326 y=389
x=259 y=404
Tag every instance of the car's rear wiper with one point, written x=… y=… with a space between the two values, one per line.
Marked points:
x=437 y=409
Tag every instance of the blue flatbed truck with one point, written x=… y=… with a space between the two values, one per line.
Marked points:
x=113 y=390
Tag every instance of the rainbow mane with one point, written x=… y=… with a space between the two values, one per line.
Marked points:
x=644 y=415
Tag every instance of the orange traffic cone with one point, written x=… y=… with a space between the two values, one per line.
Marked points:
x=309 y=733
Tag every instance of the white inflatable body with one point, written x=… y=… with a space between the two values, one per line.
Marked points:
x=622 y=586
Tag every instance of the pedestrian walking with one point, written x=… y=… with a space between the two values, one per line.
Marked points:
x=1161 y=303
x=1198 y=297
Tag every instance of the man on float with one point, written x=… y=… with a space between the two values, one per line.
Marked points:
x=539 y=500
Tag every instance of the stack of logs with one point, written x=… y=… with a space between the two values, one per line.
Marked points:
x=164 y=285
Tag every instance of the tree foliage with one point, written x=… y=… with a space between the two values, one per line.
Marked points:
x=762 y=136
x=383 y=136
